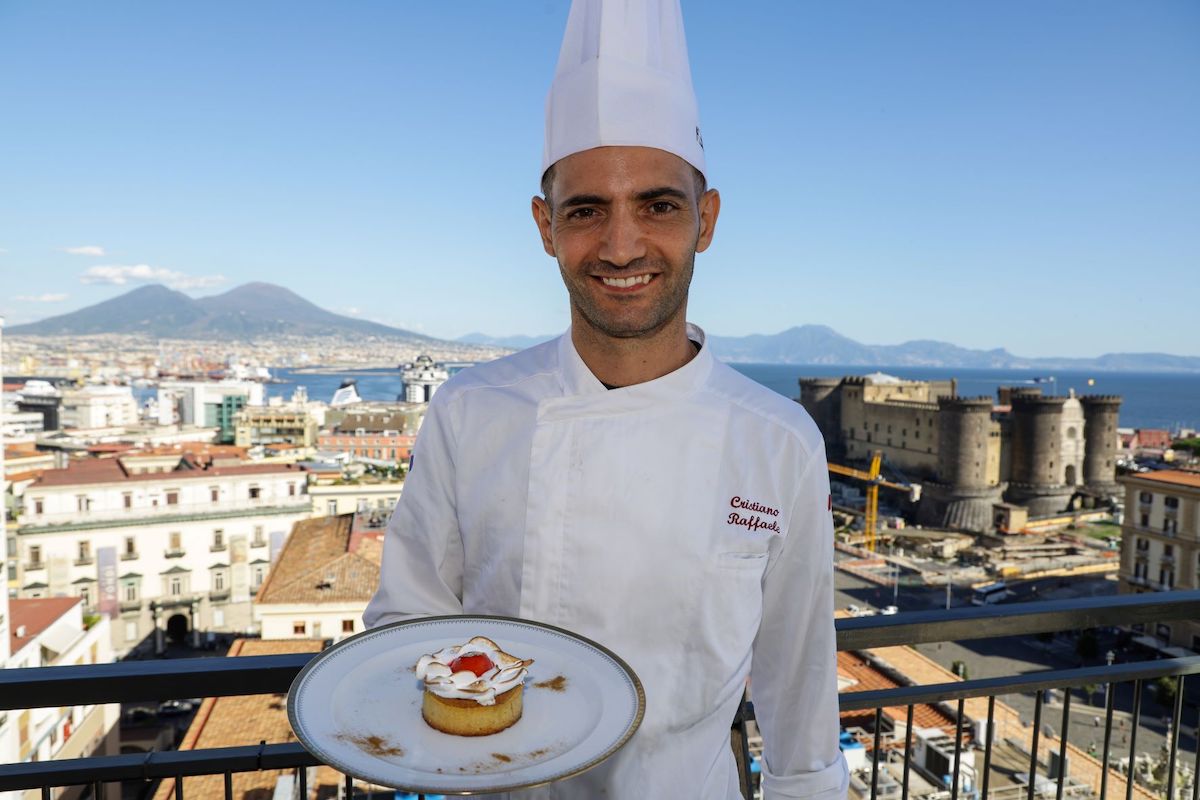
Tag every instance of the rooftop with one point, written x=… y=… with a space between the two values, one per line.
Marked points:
x=232 y=721
x=322 y=562
x=35 y=616
x=1173 y=477
x=111 y=470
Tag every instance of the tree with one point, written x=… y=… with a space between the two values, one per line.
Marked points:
x=1164 y=691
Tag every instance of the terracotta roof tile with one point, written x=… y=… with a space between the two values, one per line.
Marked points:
x=234 y=721
x=868 y=677
x=35 y=615
x=1172 y=476
x=110 y=470
x=317 y=565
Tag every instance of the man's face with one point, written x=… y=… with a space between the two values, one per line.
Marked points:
x=625 y=224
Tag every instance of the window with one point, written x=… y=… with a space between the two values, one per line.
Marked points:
x=1171 y=502
x=299 y=628
x=130 y=592
x=258 y=537
x=176 y=540
x=291 y=490
x=131 y=631
x=214 y=493
x=173 y=497
x=1168 y=550
x=175 y=586
x=259 y=575
x=39 y=505
x=1143 y=545
x=218 y=580
x=1170 y=525
x=218 y=617
x=82 y=502
x=85 y=594
x=347 y=626
x=1145 y=520
x=218 y=539
x=331 y=508
x=85 y=551
x=255 y=492
x=35 y=554
x=1145 y=497
x=130 y=547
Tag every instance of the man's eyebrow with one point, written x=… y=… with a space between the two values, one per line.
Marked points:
x=584 y=200
x=662 y=191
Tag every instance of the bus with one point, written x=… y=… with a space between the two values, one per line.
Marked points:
x=992 y=593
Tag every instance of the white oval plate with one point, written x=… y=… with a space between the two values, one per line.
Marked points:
x=357 y=707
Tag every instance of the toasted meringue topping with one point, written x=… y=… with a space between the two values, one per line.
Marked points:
x=507 y=672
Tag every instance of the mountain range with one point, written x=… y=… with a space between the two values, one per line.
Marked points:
x=261 y=310
x=820 y=344
x=247 y=312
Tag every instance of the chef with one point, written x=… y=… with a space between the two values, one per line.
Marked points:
x=619 y=481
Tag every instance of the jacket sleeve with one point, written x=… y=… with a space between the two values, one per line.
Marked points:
x=794 y=666
x=422 y=568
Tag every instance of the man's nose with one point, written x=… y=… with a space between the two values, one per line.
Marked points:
x=622 y=238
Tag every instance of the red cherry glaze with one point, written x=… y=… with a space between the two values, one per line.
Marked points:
x=475 y=662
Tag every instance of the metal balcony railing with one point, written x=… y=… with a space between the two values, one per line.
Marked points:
x=132 y=681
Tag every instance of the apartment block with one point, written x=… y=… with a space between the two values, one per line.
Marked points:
x=162 y=552
x=1160 y=544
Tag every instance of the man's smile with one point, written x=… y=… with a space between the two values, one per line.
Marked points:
x=630 y=284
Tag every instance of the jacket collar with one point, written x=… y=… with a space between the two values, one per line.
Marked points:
x=578 y=381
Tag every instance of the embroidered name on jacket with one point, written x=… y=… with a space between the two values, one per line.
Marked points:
x=752 y=516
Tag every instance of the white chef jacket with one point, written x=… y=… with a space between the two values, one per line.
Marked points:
x=683 y=523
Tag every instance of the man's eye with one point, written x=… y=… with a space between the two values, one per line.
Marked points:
x=662 y=207
x=582 y=213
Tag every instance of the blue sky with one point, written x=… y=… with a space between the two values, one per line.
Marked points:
x=1005 y=174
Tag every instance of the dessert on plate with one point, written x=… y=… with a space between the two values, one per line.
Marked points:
x=472 y=689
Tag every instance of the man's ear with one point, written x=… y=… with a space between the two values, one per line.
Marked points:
x=710 y=209
x=541 y=217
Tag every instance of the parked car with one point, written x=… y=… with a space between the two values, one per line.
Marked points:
x=173 y=708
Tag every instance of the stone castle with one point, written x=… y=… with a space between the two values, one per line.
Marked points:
x=1045 y=453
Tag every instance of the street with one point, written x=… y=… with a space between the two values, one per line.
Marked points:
x=986 y=658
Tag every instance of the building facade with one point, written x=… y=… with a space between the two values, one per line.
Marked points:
x=1044 y=453
x=327 y=573
x=1160 y=544
x=175 y=552
x=267 y=425
x=52 y=633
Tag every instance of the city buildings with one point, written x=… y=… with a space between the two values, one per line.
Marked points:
x=1044 y=453
x=161 y=544
x=381 y=435
x=1160 y=546
x=49 y=633
x=206 y=404
x=322 y=581
x=422 y=378
x=98 y=407
x=268 y=425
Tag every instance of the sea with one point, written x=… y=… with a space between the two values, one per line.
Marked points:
x=1151 y=399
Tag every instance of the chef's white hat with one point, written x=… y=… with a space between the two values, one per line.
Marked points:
x=623 y=79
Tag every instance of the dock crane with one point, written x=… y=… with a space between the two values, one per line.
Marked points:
x=874 y=480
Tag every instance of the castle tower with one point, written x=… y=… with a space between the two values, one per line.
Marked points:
x=1100 y=414
x=822 y=400
x=963 y=495
x=1036 y=458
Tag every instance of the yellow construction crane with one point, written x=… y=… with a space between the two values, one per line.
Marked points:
x=874 y=480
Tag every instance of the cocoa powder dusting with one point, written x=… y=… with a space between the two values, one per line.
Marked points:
x=374 y=745
x=502 y=757
x=555 y=684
